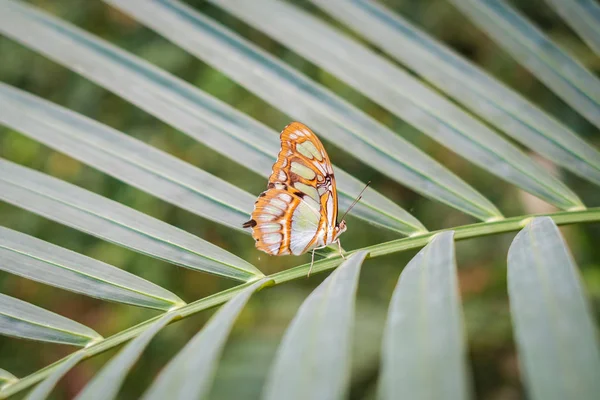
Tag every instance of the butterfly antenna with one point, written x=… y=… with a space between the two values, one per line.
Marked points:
x=356 y=200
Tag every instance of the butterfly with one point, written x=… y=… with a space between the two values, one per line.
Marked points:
x=298 y=211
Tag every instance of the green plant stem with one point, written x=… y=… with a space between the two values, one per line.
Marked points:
x=394 y=246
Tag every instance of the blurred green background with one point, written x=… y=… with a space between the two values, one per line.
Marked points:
x=482 y=269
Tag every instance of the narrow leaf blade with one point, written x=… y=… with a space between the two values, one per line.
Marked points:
x=569 y=79
x=313 y=359
x=583 y=16
x=109 y=220
x=181 y=105
x=190 y=373
x=303 y=99
x=107 y=382
x=23 y=320
x=43 y=389
x=41 y=261
x=468 y=84
x=6 y=377
x=553 y=324
x=424 y=350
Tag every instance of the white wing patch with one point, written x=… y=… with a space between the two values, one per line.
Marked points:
x=308 y=150
x=303 y=171
x=305 y=223
x=330 y=218
x=309 y=191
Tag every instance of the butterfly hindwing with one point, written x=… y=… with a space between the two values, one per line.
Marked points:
x=282 y=223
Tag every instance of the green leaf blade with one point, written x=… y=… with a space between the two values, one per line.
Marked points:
x=107 y=382
x=569 y=79
x=553 y=324
x=111 y=221
x=43 y=389
x=303 y=99
x=424 y=349
x=190 y=373
x=41 y=261
x=313 y=359
x=583 y=16
x=6 y=378
x=468 y=84
x=374 y=207
x=23 y=320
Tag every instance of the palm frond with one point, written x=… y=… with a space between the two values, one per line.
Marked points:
x=468 y=84
x=424 y=346
x=181 y=105
x=469 y=231
x=402 y=94
x=568 y=78
x=301 y=98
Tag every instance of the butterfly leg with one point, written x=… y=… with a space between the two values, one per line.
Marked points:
x=340 y=248
x=312 y=260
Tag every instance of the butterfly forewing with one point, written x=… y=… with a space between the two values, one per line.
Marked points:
x=299 y=209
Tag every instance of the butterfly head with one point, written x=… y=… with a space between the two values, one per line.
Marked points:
x=341 y=226
x=339 y=229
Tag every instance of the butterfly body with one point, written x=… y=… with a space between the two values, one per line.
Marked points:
x=298 y=211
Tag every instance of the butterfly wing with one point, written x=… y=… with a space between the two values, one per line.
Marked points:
x=303 y=165
x=282 y=223
x=299 y=209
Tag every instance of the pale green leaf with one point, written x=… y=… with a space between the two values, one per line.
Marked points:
x=26 y=321
x=176 y=102
x=468 y=84
x=124 y=157
x=583 y=16
x=109 y=220
x=6 y=377
x=107 y=382
x=41 y=261
x=43 y=389
x=330 y=116
x=313 y=359
x=553 y=324
x=400 y=93
x=424 y=351
x=190 y=374
x=557 y=69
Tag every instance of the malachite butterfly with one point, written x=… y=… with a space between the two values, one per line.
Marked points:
x=298 y=211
